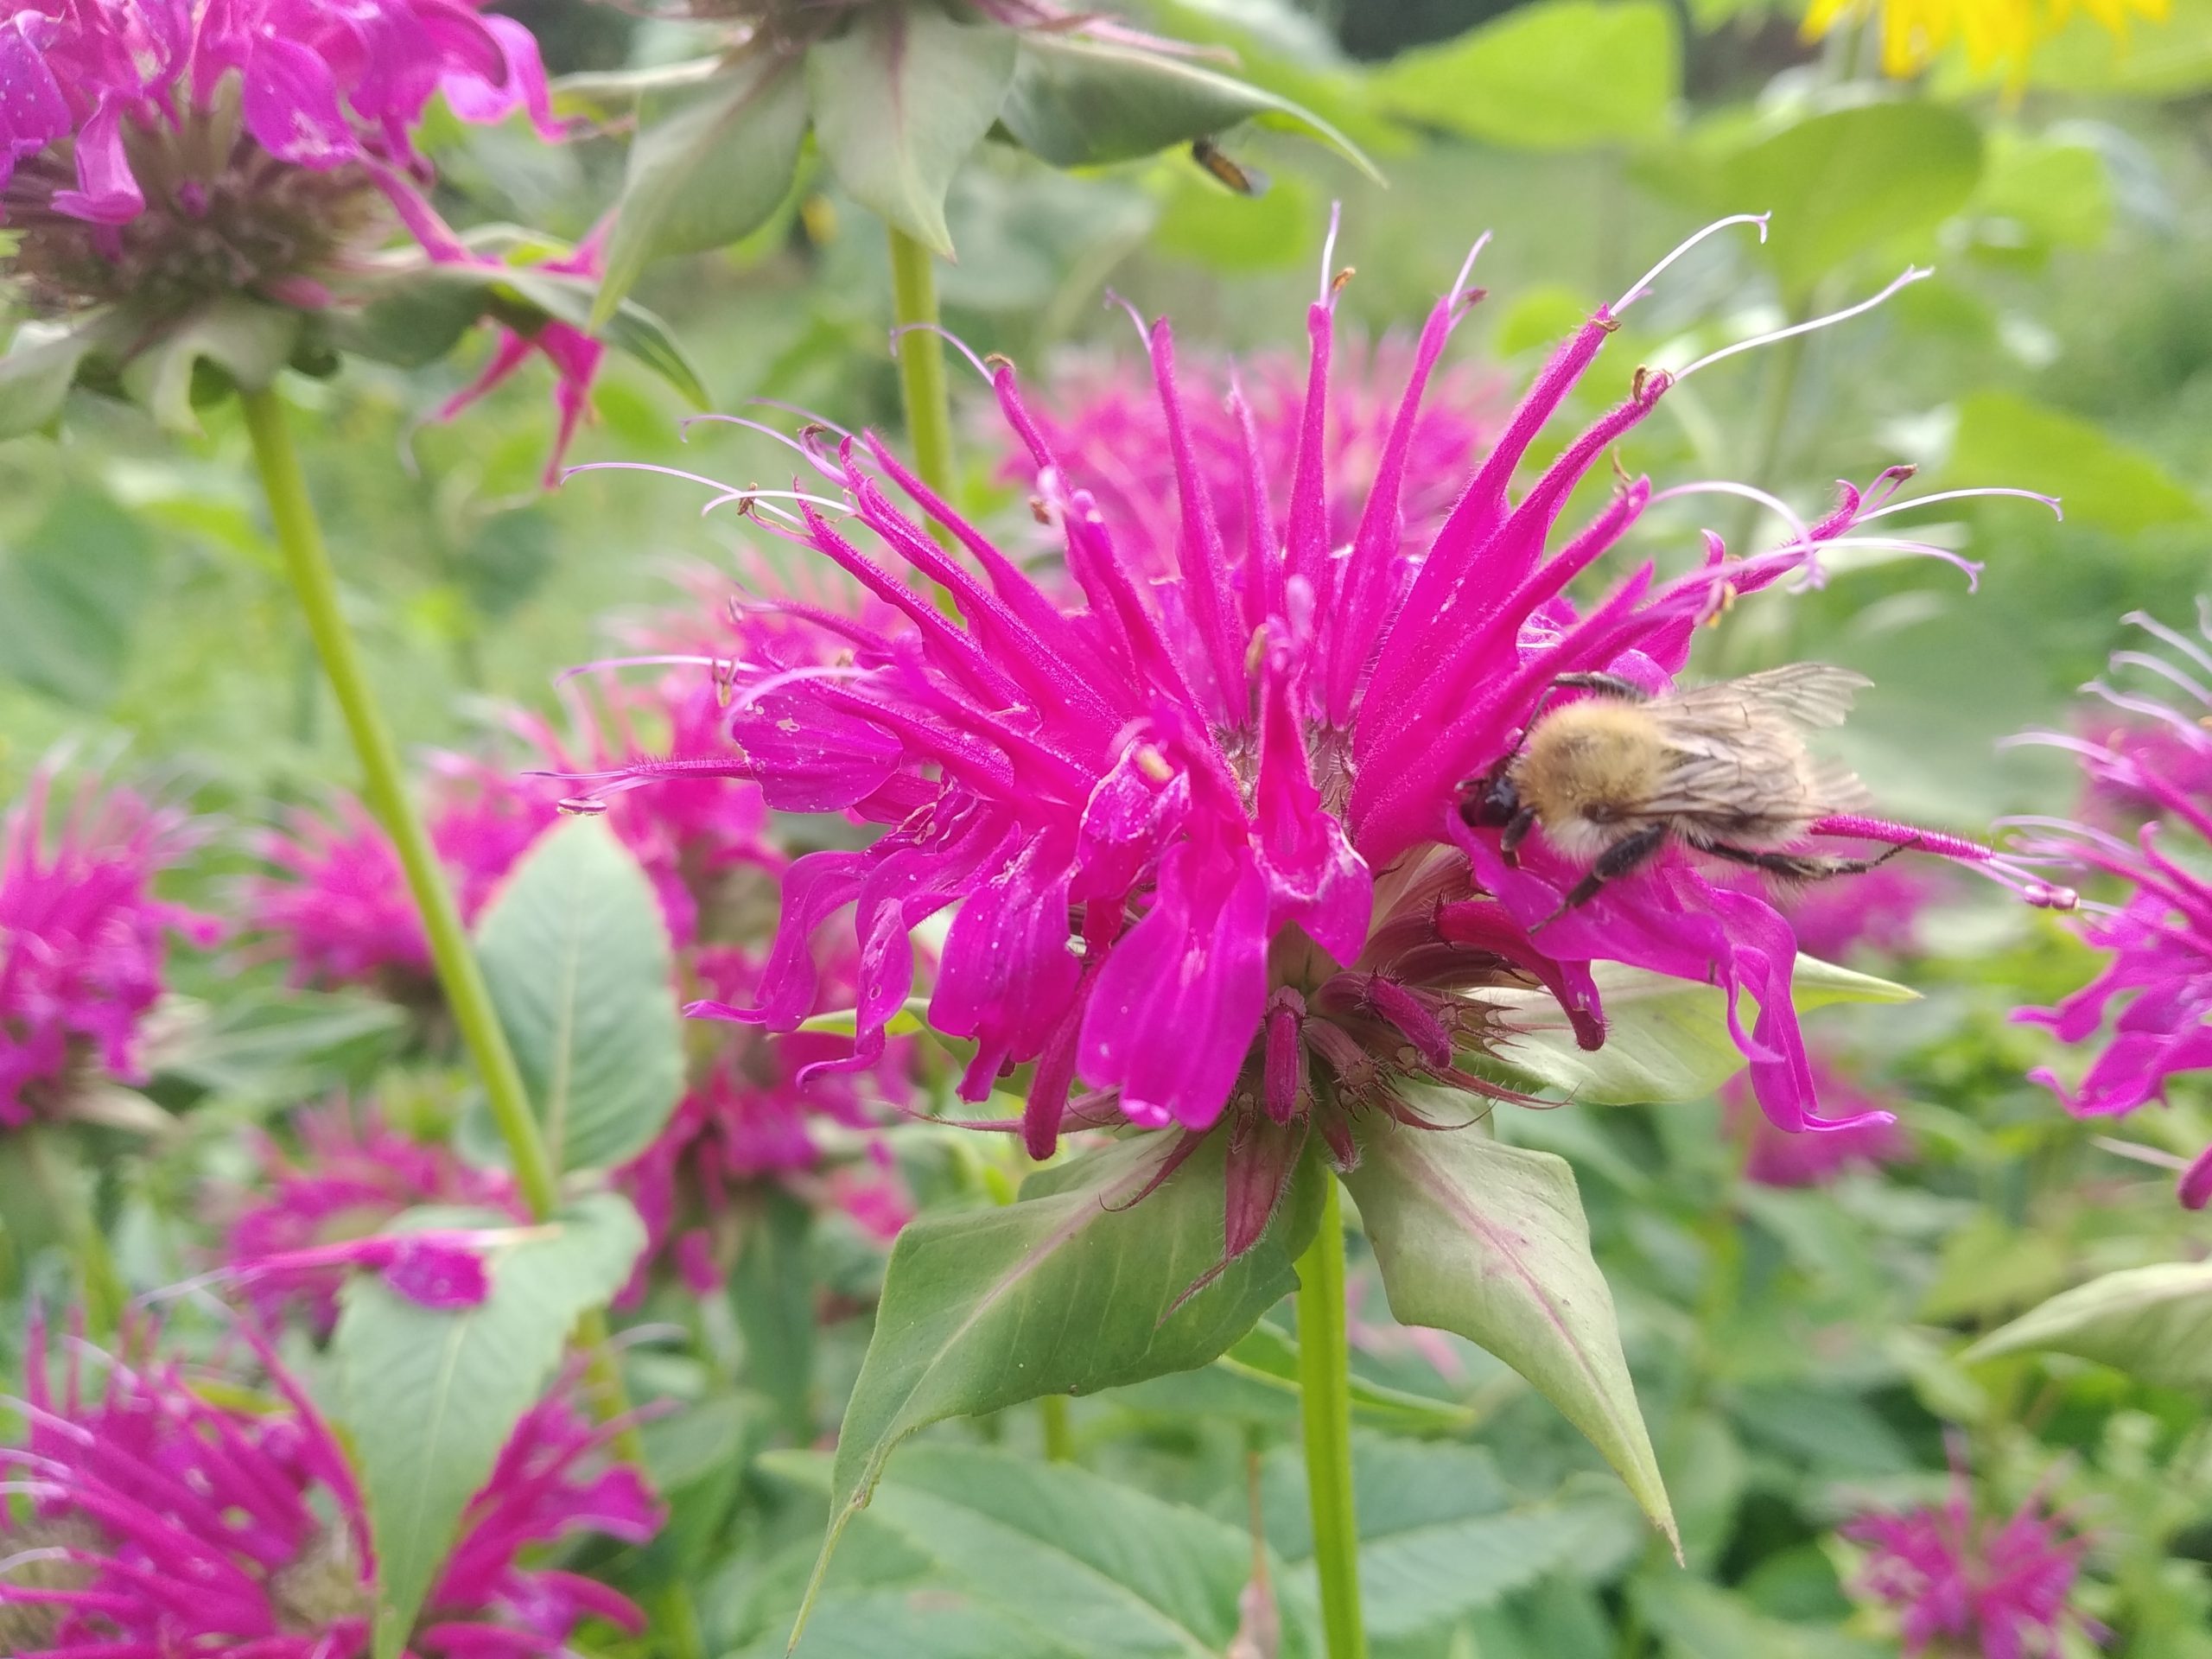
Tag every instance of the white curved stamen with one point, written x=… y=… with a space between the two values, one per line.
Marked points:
x=1329 y=251
x=1912 y=274
x=1800 y=533
x=1467 y=266
x=2051 y=501
x=1641 y=285
x=2164 y=671
x=2180 y=642
x=950 y=339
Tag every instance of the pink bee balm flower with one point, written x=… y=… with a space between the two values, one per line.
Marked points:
x=1963 y=1585
x=352 y=1176
x=1111 y=432
x=164 y=152
x=81 y=942
x=2149 y=1014
x=1773 y=1157
x=162 y=1520
x=1202 y=823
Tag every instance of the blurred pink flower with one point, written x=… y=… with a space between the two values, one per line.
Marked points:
x=336 y=903
x=2148 y=1014
x=751 y=1117
x=160 y=1518
x=82 y=943
x=1105 y=423
x=573 y=355
x=1957 y=1579
x=1201 y=819
x=1878 y=911
x=352 y=1176
x=1775 y=1158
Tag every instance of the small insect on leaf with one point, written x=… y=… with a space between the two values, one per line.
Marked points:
x=1235 y=175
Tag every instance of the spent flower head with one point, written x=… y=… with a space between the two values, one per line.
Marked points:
x=2147 y=1017
x=159 y=1517
x=1203 y=824
x=83 y=940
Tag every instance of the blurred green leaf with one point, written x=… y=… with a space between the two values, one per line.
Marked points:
x=1666 y=1038
x=709 y=165
x=900 y=100
x=36 y=373
x=1557 y=74
x=2165 y=57
x=1088 y=1566
x=70 y=599
x=578 y=961
x=1488 y=1241
x=273 y=1049
x=1079 y=103
x=1075 y=1287
x=2153 y=1323
x=429 y=1396
x=2053 y=191
x=1843 y=184
x=772 y=1292
x=2005 y=438
x=1230 y=233
x=1697 y=1620
x=1441 y=1533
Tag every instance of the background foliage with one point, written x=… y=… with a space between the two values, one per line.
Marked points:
x=1797 y=1351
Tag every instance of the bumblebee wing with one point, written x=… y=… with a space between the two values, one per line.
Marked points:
x=1808 y=694
x=1741 y=766
x=1839 y=789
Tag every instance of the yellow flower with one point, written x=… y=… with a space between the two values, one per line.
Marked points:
x=1914 y=31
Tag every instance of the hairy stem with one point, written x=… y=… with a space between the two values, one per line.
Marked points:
x=921 y=367
x=307 y=561
x=1325 y=1411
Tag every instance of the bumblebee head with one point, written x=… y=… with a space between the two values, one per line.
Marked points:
x=1492 y=801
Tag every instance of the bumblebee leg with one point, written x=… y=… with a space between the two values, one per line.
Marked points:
x=1612 y=685
x=1516 y=831
x=1623 y=857
x=1803 y=867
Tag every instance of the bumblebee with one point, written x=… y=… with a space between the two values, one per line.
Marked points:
x=1616 y=775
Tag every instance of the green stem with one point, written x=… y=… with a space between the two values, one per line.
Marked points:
x=921 y=367
x=1059 y=1433
x=1324 y=1396
x=307 y=561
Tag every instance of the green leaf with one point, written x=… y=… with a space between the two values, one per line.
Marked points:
x=36 y=373
x=900 y=100
x=2153 y=1323
x=430 y=1396
x=225 y=344
x=578 y=961
x=709 y=165
x=417 y=315
x=1666 y=1038
x=1560 y=74
x=277 y=1048
x=2053 y=191
x=1071 y=1289
x=1268 y=1356
x=772 y=1292
x=70 y=600
x=2005 y=438
x=1442 y=1534
x=1697 y=1620
x=1843 y=183
x=1488 y=1241
x=1086 y=1565
x=1079 y=103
